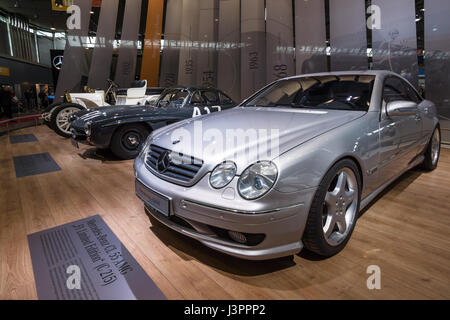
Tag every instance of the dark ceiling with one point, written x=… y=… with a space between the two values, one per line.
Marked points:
x=38 y=12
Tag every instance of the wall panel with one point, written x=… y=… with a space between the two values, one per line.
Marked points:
x=348 y=35
x=310 y=36
x=279 y=40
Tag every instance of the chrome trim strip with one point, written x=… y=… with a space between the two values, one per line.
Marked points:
x=241 y=211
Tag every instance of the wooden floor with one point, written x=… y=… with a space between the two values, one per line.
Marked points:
x=406 y=232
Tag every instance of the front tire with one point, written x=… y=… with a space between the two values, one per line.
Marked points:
x=47 y=114
x=433 y=151
x=334 y=210
x=60 y=118
x=128 y=140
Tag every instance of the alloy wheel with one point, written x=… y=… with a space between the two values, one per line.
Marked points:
x=340 y=207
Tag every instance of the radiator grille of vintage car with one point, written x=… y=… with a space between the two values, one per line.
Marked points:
x=173 y=164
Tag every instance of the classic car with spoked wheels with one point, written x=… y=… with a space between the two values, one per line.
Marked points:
x=57 y=115
x=339 y=140
x=124 y=129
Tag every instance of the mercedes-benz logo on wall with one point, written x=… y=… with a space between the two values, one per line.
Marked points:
x=164 y=161
x=57 y=62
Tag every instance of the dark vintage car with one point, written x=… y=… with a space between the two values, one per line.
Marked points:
x=124 y=129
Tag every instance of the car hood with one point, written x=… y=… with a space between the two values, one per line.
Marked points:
x=257 y=125
x=105 y=114
x=115 y=112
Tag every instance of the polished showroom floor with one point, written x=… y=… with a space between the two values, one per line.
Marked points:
x=406 y=232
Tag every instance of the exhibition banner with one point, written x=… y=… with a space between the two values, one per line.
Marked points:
x=310 y=37
x=152 y=43
x=253 y=52
x=229 y=55
x=171 y=53
x=103 y=48
x=188 y=64
x=84 y=260
x=74 y=53
x=437 y=59
x=207 y=53
x=279 y=40
x=126 y=62
x=348 y=37
x=394 y=41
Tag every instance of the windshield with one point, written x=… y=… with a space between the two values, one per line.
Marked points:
x=176 y=97
x=347 y=92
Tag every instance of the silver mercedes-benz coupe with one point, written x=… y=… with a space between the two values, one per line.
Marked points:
x=291 y=166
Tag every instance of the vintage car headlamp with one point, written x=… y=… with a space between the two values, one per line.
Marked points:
x=257 y=180
x=222 y=174
x=87 y=128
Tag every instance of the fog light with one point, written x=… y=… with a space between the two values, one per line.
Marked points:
x=237 y=236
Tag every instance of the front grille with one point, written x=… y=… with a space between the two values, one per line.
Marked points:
x=182 y=167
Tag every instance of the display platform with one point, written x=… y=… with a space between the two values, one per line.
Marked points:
x=404 y=232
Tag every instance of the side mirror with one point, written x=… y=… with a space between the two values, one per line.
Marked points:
x=401 y=108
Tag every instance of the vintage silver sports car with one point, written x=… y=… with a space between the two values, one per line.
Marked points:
x=342 y=138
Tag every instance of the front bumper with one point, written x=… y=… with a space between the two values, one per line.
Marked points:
x=205 y=210
x=80 y=137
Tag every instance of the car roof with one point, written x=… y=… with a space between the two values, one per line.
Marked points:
x=342 y=73
x=192 y=88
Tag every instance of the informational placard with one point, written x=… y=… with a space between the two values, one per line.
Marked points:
x=188 y=65
x=279 y=40
x=310 y=37
x=74 y=53
x=126 y=62
x=4 y=71
x=394 y=40
x=172 y=43
x=84 y=260
x=437 y=59
x=102 y=56
x=229 y=55
x=207 y=36
x=348 y=37
x=253 y=52
x=61 y=5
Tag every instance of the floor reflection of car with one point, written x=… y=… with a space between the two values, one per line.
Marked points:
x=343 y=137
x=123 y=129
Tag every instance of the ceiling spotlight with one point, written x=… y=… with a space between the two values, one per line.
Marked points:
x=16 y=4
x=53 y=28
x=92 y=12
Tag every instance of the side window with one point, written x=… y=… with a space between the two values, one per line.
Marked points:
x=196 y=98
x=412 y=94
x=224 y=99
x=394 y=90
x=211 y=97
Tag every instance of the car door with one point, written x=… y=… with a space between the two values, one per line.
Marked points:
x=399 y=135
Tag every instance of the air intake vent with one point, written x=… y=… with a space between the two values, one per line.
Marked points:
x=172 y=164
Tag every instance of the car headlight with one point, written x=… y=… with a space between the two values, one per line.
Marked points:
x=257 y=180
x=222 y=174
x=87 y=128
